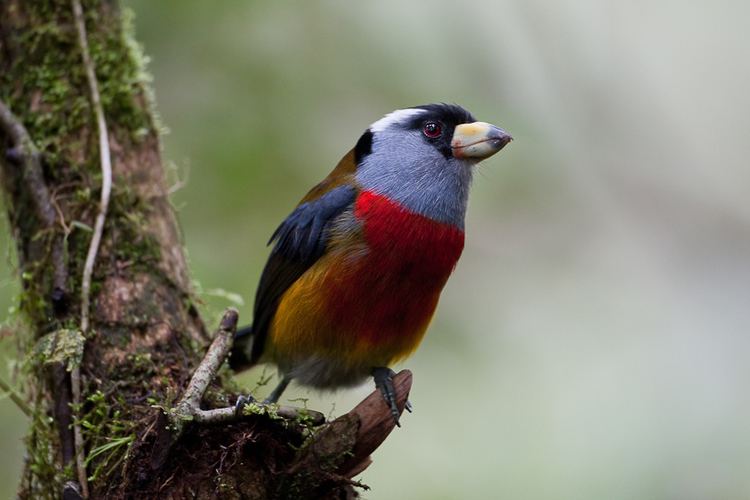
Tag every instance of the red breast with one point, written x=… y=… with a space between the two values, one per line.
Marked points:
x=403 y=239
x=389 y=296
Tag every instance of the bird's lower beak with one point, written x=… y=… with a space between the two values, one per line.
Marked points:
x=478 y=140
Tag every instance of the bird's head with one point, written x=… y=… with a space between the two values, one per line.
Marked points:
x=423 y=158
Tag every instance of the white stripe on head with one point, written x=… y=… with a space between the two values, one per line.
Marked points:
x=395 y=117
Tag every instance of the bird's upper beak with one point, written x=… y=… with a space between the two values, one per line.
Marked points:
x=478 y=140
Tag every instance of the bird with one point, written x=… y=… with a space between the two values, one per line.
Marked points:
x=356 y=270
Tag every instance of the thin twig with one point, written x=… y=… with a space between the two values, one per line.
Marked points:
x=32 y=165
x=212 y=361
x=106 y=166
x=88 y=268
x=30 y=159
x=14 y=396
x=188 y=406
x=180 y=182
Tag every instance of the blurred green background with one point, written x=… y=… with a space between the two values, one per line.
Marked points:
x=593 y=341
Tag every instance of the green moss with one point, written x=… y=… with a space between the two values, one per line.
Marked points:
x=268 y=410
x=122 y=81
x=36 y=281
x=141 y=362
x=107 y=434
x=44 y=475
x=53 y=72
x=61 y=346
x=47 y=89
x=128 y=216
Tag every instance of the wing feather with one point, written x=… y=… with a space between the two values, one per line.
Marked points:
x=298 y=243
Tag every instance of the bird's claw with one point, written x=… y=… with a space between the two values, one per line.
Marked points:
x=242 y=400
x=384 y=382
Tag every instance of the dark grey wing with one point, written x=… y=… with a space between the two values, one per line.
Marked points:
x=298 y=243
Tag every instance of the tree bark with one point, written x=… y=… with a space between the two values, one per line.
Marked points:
x=145 y=336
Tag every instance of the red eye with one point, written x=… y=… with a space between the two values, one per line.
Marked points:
x=432 y=129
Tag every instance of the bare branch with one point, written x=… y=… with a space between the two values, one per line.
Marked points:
x=188 y=408
x=88 y=268
x=229 y=414
x=106 y=166
x=28 y=155
x=376 y=423
x=18 y=400
x=25 y=153
x=189 y=404
x=341 y=449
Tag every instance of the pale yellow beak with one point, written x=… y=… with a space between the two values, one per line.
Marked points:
x=478 y=140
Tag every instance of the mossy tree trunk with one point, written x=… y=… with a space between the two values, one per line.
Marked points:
x=146 y=336
x=145 y=333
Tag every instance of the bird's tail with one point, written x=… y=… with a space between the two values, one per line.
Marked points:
x=239 y=358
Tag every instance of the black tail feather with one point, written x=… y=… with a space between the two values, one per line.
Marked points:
x=245 y=331
x=239 y=358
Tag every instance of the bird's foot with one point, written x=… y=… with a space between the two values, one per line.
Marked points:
x=384 y=382
x=242 y=400
x=272 y=398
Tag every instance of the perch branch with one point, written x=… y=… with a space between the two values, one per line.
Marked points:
x=189 y=404
x=88 y=268
x=229 y=414
x=188 y=408
x=340 y=450
x=376 y=423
